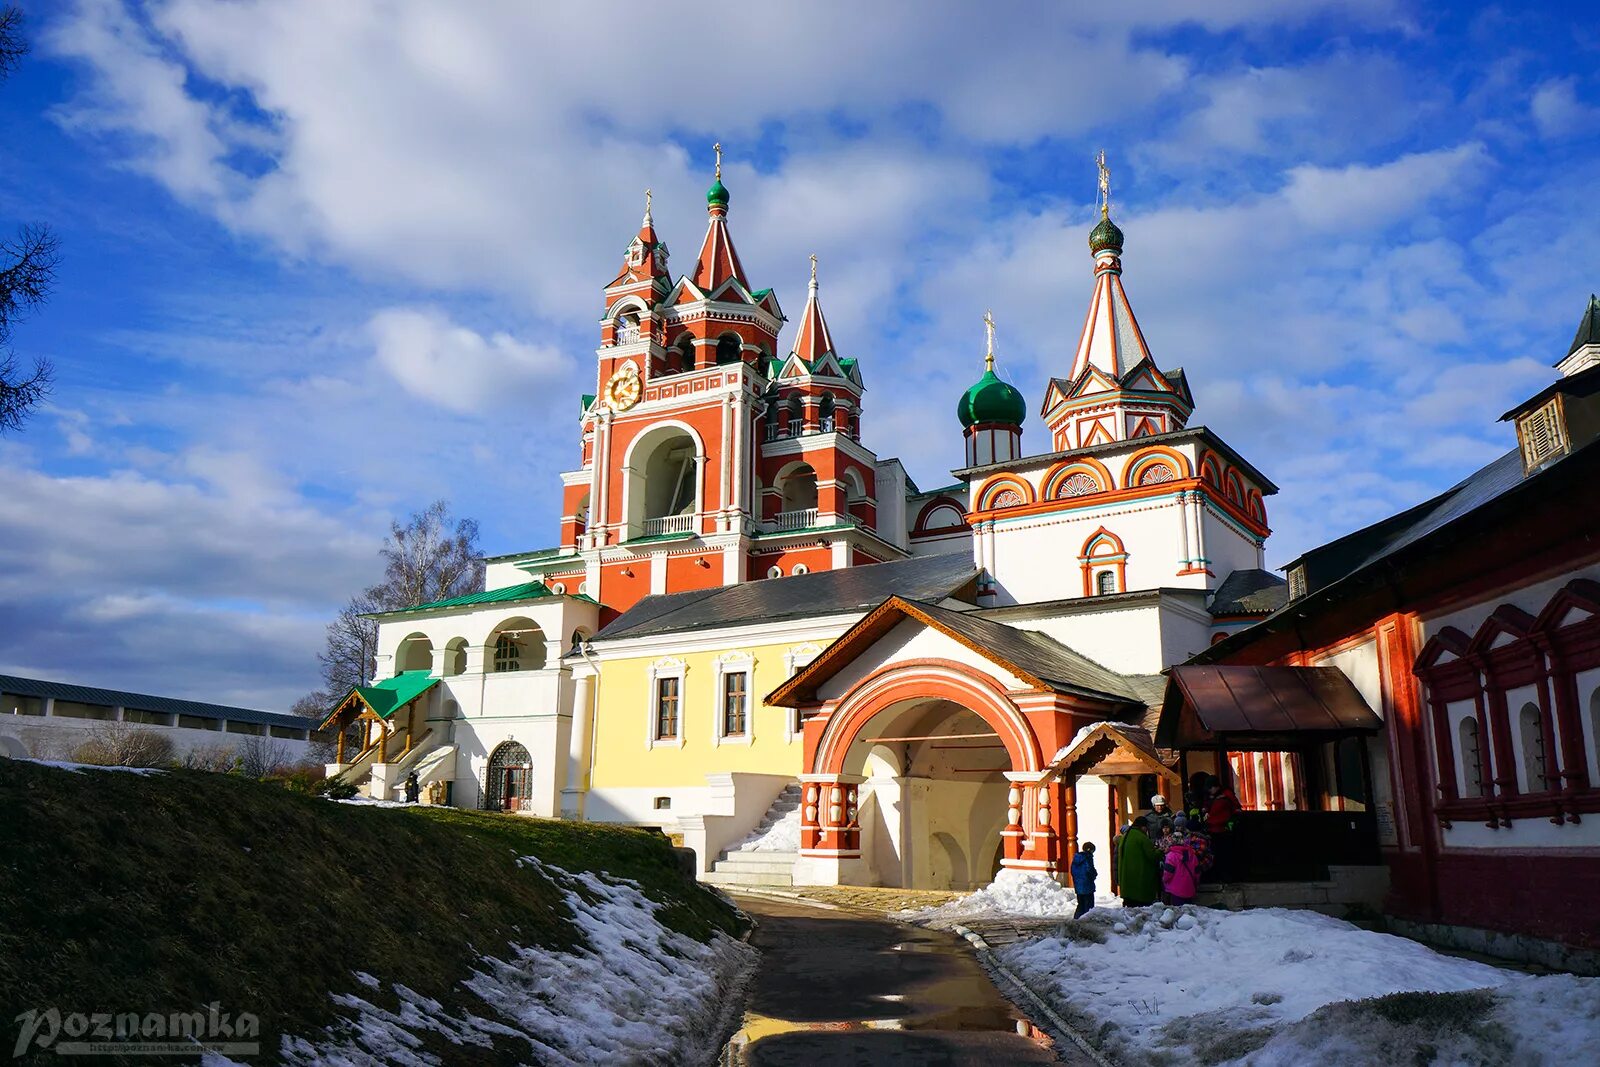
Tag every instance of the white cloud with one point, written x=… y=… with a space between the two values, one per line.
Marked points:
x=435 y=359
x=1557 y=111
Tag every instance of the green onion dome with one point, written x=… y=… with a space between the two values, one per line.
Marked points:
x=717 y=194
x=991 y=400
x=1105 y=235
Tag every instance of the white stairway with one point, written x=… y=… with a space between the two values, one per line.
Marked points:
x=768 y=855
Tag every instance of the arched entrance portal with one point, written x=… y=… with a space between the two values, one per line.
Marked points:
x=508 y=785
x=927 y=775
x=932 y=800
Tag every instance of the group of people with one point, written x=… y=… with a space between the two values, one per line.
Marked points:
x=1165 y=854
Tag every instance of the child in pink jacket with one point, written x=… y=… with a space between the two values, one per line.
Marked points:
x=1180 y=872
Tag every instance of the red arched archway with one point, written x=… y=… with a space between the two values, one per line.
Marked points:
x=925 y=679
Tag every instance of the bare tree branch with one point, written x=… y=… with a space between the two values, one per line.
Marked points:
x=12 y=45
x=430 y=557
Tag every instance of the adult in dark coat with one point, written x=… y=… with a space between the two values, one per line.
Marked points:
x=1138 y=867
x=1083 y=876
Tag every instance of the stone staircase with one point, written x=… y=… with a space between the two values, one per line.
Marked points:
x=756 y=861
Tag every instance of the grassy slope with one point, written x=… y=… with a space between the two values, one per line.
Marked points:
x=124 y=892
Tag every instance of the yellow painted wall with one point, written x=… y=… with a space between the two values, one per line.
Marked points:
x=623 y=757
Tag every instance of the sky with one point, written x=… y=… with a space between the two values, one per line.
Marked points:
x=325 y=263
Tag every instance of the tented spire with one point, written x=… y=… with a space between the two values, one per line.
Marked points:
x=718 y=260
x=813 y=341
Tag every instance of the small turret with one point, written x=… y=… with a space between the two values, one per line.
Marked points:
x=991 y=412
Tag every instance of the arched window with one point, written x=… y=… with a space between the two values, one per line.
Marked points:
x=825 y=413
x=627 y=328
x=1105 y=583
x=415 y=654
x=683 y=357
x=508 y=785
x=728 y=348
x=1471 y=757
x=518 y=645
x=1530 y=723
x=800 y=490
x=455 y=658
x=795 y=417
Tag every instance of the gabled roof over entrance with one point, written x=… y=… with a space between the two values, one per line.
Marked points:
x=1260 y=708
x=388 y=696
x=1036 y=658
x=1095 y=744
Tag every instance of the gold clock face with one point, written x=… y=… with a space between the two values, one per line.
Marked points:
x=624 y=389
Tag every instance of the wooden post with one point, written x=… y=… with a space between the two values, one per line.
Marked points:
x=338 y=744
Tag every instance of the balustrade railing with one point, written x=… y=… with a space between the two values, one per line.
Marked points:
x=669 y=524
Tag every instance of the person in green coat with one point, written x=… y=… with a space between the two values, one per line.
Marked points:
x=1138 y=867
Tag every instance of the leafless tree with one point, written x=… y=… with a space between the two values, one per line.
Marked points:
x=432 y=557
x=216 y=758
x=121 y=744
x=260 y=755
x=27 y=271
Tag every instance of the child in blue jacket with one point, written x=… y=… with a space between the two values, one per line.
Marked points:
x=1083 y=875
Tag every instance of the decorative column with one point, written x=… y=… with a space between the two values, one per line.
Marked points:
x=578 y=746
x=724 y=457
x=829 y=824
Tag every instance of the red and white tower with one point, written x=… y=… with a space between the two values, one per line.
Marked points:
x=708 y=460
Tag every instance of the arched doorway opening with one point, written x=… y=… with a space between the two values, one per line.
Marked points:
x=508 y=784
x=663 y=482
x=932 y=800
x=414 y=654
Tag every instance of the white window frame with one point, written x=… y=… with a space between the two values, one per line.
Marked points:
x=666 y=667
x=735 y=663
x=794 y=659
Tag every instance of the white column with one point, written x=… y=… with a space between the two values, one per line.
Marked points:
x=1183 y=525
x=600 y=502
x=658 y=572
x=741 y=432
x=725 y=480
x=578 y=768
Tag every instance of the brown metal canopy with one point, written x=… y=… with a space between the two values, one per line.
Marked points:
x=1260 y=708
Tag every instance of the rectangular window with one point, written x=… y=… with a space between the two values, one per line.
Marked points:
x=1541 y=435
x=735 y=703
x=663 y=803
x=666 y=709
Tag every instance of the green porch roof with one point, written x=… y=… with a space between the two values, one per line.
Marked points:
x=525 y=591
x=389 y=695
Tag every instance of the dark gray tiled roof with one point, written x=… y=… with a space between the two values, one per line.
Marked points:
x=1249 y=592
x=1046 y=658
x=924 y=578
x=1362 y=549
x=86 y=694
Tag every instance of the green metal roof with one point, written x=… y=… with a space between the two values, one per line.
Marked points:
x=586 y=403
x=525 y=591
x=389 y=695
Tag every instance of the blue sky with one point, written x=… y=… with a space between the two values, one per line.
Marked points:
x=324 y=263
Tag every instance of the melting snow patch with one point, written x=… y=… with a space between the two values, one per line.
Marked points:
x=781 y=836
x=634 y=992
x=64 y=765
x=1011 y=894
x=1255 y=987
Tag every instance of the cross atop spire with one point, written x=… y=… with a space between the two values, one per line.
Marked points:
x=813 y=341
x=1105 y=183
x=717 y=148
x=988 y=330
x=647 y=220
x=813 y=272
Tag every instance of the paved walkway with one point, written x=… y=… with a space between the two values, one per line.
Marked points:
x=849 y=987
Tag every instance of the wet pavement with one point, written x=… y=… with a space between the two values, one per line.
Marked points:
x=849 y=987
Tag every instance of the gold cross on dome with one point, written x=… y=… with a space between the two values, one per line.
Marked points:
x=813 y=268
x=647 y=201
x=717 y=148
x=988 y=330
x=1105 y=183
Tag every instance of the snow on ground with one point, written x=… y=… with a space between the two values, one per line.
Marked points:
x=1012 y=894
x=372 y=802
x=66 y=766
x=1161 y=985
x=635 y=993
x=781 y=836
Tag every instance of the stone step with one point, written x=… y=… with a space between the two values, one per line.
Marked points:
x=757 y=878
x=778 y=862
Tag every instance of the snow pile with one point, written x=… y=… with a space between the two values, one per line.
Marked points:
x=781 y=836
x=633 y=992
x=1551 y=1020
x=1194 y=984
x=1012 y=894
x=1077 y=739
x=373 y=802
x=64 y=765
